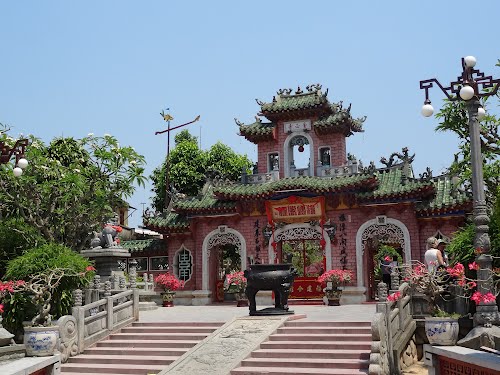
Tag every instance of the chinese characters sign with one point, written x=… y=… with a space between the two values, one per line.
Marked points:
x=296 y=209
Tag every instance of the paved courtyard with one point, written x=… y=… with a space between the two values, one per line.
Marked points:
x=224 y=313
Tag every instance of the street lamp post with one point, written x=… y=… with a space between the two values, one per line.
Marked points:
x=17 y=151
x=470 y=87
x=167 y=117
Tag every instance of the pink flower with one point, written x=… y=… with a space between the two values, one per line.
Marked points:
x=388 y=258
x=473 y=266
x=394 y=296
x=1 y=309
x=169 y=282
x=489 y=297
x=471 y=284
x=477 y=297
x=89 y=268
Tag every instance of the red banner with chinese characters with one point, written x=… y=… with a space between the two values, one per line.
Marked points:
x=296 y=209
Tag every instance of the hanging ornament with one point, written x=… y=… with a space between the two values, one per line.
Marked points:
x=301 y=148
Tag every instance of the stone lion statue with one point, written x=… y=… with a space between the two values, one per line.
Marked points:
x=107 y=238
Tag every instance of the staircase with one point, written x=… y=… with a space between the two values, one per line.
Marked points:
x=308 y=348
x=140 y=349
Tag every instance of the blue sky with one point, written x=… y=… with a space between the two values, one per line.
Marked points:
x=75 y=67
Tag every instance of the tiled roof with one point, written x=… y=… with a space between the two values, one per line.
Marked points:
x=175 y=222
x=286 y=103
x=142 y=245
x=257 y=131
x=448 y=199
x=340 y=121
x=206 y=203
x=317 y=185
x=393 y=186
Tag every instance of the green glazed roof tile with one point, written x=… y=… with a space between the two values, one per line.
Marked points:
x=171 y=220
x=447 y=198
x=313 y=184
x=207 y=202
x=288 y=103
x=142 y=245
x=257 y=131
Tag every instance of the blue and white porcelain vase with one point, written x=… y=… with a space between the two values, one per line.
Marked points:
x=41 y=341
x=442 y=331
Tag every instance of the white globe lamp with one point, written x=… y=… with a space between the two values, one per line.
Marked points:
x=470 y=61
x=22 y=163
x=466 y=92
x=427 y=110
x=17 y=171
x=480 y=113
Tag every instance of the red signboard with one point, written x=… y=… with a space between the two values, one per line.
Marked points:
x=296 y=209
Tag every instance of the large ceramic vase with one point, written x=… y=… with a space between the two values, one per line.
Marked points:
x=41 y=341
x=241 y=299
x=168 y=299
x=441 y=331
x=333 y=296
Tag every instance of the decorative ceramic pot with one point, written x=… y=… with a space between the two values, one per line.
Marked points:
x=41 y=341
x=168 y=299
x=441 y=331
x=333 y=296
x=241 y=299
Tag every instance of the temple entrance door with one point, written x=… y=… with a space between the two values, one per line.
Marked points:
x=228 y=261
x=307 y=258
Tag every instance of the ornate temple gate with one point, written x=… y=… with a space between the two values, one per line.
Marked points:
x=302 y=247
x=374 y=235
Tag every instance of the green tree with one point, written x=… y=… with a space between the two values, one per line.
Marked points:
x=71 y=186
x=189 y=167
x=15 y=238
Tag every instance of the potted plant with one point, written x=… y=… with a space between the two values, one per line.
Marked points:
x=170 y=284
x=333 y=279
x=441 y=327
x=236 y=283
x=50 y=273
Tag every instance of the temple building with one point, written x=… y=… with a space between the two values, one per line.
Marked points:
x=307 y=202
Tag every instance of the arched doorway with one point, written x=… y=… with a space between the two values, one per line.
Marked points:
x=219 y=246
x=298 y=155
x=371 y=235
x=300 y=244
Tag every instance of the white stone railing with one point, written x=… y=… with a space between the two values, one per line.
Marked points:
x=96 y=320
x=392 y=331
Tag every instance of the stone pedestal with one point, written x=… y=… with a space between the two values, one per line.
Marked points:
x=106 y=260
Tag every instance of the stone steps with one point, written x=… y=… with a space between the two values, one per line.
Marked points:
x=308 y=348
x=140 y=349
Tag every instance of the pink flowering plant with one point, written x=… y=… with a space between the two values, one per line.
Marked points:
x=235 y=282
x=336 y=277
x=434 y=283
x=169 y=282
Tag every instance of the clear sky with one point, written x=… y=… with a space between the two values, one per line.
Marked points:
x=75 y=67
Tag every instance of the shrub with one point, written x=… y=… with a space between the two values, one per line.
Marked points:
x=38 y=260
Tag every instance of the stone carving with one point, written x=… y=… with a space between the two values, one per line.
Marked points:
x=298 y=234
x=107 y=238
x=220 y=353
x=68 y=336
x=387 y=233
x=122 y=282
x=403 y=156
x=77 y=297
x=379 y=361
x=107 y=288
x=97 y=282
x=394 y=280
x=133 y=273
x=382 y=292
x=223 y=238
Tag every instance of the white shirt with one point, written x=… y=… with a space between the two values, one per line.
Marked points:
x=431 y=259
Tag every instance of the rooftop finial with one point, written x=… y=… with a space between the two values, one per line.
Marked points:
x=299 y=91
x=259 y=102
x=284 y=91
x=315 y=87
x=238 y=122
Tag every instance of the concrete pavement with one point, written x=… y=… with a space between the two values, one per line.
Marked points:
x=226 y=312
